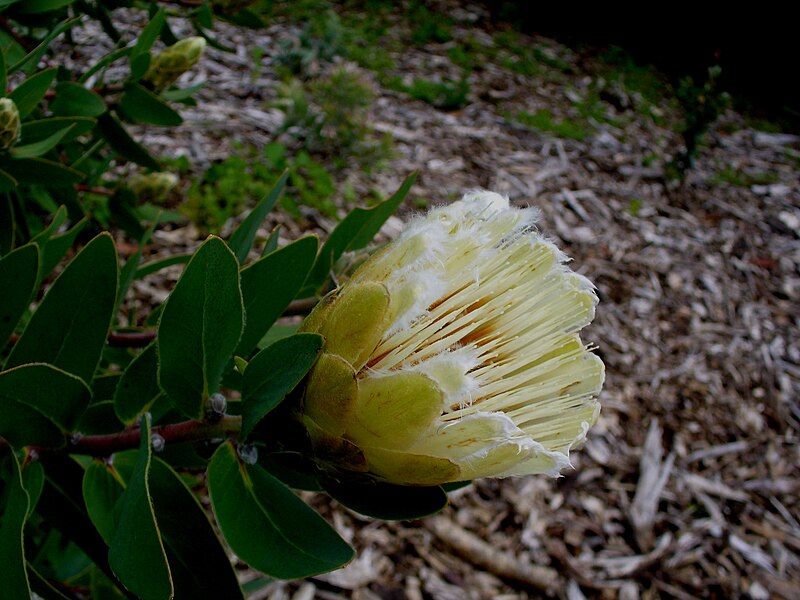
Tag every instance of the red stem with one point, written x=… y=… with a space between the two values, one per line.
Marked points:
x=185 y=431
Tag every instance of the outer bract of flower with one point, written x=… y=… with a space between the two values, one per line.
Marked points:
x=453 y=353
x=167 y=66
x=152 y=187
x=9 y=123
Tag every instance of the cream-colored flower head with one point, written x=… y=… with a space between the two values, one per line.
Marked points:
x=454 y=353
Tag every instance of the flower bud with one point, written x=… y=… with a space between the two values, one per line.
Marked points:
x=9 y=123
x=453 y=353
x=171 y=63
x=152 y=187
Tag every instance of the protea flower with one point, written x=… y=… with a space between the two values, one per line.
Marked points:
x=453 y=353
x=174 y=61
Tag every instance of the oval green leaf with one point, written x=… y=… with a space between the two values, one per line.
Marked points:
x=140 y=105
x=18 y=273
x=136 y=553
x=102 y=489
x=243 y=236
x=69 y=328
x=56 y=394
x=13 y=512
x=199 y=564
x=138 y=387
x=200 y=327
x=273 y=373
x=266 y=525
x=270 y=284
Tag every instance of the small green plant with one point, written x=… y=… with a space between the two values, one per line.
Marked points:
x=543 y=120
x=445 y=95
x=702 y=103
x=328 y=116
x=318 y=43
x=428 y=26
x=741 y=178
x=227 y=188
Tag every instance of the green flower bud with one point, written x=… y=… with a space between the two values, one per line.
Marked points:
x=453 y=353
x=9 y=123
x=152 y=187
x=168 y=65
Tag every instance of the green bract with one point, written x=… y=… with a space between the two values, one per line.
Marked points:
x=9 y=123
x=168 y=65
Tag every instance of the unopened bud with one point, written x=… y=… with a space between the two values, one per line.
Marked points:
x=167 y=66
x=248 y=453
x=9 y=123
x=152 y=187
x=158 y=442
x=218 y=403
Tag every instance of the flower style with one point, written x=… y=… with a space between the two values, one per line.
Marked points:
x=454 y=353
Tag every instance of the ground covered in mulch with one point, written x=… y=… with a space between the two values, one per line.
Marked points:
x=688 y=486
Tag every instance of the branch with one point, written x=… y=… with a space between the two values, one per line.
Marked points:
x=131 y=339
x=186 y=431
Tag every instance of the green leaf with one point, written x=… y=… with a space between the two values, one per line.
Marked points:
x=30 y=92
x=41 y=129
x=386 y=501
x=156 y=265
x=7 y=225
x=245 y=234
x=18 y=275
x=272 y=241
x=123 y=144
x=62 y=507
x=200 y=327
x=40 y=171
x=13 y=512
x=138 y=387
x=42 y=147
x=199 y=564
x=266 y=525
x=149 y=34
x=273 y=373
x=270 y=284
x=74 y=100
x=102 y=489
x=355 y=231
x=32 y=57
x=33 y=481
x=140 y=105
x=56 y=394
x=180 y=94
x=22 y=425
x=56 y=247
x=136 y=553
x=70 y=326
